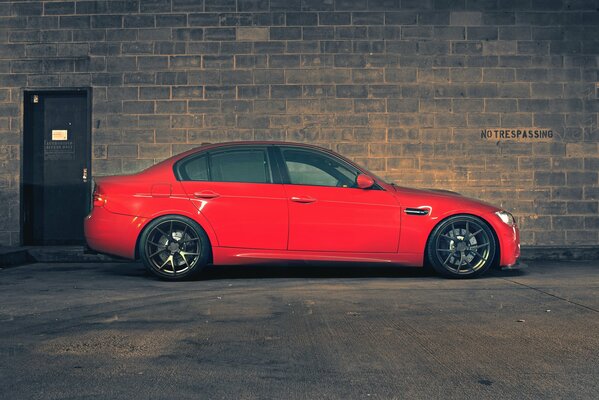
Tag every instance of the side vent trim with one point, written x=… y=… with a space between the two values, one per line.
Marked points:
x=416 y=211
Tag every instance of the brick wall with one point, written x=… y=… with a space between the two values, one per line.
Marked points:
x=402 y=86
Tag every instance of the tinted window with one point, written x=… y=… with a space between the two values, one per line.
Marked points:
x=195 y=169
x=309 y=168
x=240 y=166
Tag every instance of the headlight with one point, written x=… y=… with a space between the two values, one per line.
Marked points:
x=506 y=217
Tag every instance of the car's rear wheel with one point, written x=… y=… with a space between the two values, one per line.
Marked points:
x=462 y=246
x=174 y=248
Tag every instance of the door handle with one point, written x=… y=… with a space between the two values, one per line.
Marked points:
x=303 y=199
x=206 y=194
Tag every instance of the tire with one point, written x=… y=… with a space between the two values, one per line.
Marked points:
x=462 y=246
x=174 y=248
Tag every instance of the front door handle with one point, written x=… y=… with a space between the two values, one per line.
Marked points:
x=206 y=194
x=303 y=199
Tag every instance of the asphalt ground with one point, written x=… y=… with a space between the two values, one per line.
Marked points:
x=110 y=331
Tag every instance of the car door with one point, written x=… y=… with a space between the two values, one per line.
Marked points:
x=234 y=190
x=327 y=212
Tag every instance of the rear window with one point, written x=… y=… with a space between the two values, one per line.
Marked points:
x=195 y=169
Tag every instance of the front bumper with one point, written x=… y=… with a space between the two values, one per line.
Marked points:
x=516 y=266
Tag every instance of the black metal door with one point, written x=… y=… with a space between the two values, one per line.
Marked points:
x=55 y=167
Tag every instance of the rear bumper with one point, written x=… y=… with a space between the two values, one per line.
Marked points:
x=111 y=233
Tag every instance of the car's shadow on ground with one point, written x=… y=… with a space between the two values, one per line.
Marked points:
x=304 y=270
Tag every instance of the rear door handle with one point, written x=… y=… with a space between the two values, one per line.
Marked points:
x=303 y=199
x=206 y=194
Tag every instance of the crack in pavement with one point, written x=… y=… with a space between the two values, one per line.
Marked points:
x=552 y=295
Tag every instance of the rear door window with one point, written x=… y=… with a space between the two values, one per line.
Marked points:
x=249 y=166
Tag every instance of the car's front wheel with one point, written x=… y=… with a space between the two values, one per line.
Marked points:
x=462 y=246
x=174 y=248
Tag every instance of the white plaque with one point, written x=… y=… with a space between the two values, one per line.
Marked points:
x=59 y=134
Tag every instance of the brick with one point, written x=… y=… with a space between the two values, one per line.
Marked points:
x=122 y=150
x=269 y=47
x=369 y=105
x=187 y=5
x=156 y=151
x=513 y=90
x=318 y=33
x=138 y=107
x=236 y=77
x=153 y=6
x=466 y=74
x=119 y=35
x=171 y=107
x=219 y=92
x=42 y=22
x=122 y=93
x=276 y=76
x=27 y=9
x=499 y=75
x=286 y=33
x=334 y=18
x=465 y=18
x=515 y=33
x=481 y=33
x=171 y=20
x=59 y=8
x=253 y=121
x=139 y=78
x=449 y=33
x=252 y=34
x=24 y=36
x=402 y=105
x=467 y=105
x=284 y=61
x=468 y=48
x=302 y=18
x=566 y=222
x=543 y=178
x=286 y=91
x=574 y=178
x=75 y=22
x=582 y=207
x=482 y=90
x=400 y=74
x=483 y=119
x=351 y=32
x=401 y=18
x=516 y=120
x=220 y=34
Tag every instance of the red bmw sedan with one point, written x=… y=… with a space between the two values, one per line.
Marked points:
x=254 y=202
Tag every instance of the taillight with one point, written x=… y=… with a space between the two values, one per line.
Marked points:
x=99 y=199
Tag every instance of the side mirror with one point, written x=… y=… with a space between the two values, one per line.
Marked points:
x=364 y=181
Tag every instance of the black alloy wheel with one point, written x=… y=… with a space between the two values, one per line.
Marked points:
x=174 y=248
x=462 y=246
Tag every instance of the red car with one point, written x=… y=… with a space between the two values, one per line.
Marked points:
x=253 y=202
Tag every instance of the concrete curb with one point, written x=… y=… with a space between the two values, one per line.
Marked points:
x=13 y=257
x=550 y=253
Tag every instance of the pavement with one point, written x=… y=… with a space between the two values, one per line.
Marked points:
x=109 y=330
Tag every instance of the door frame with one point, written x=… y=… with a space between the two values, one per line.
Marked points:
x=25 y=231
